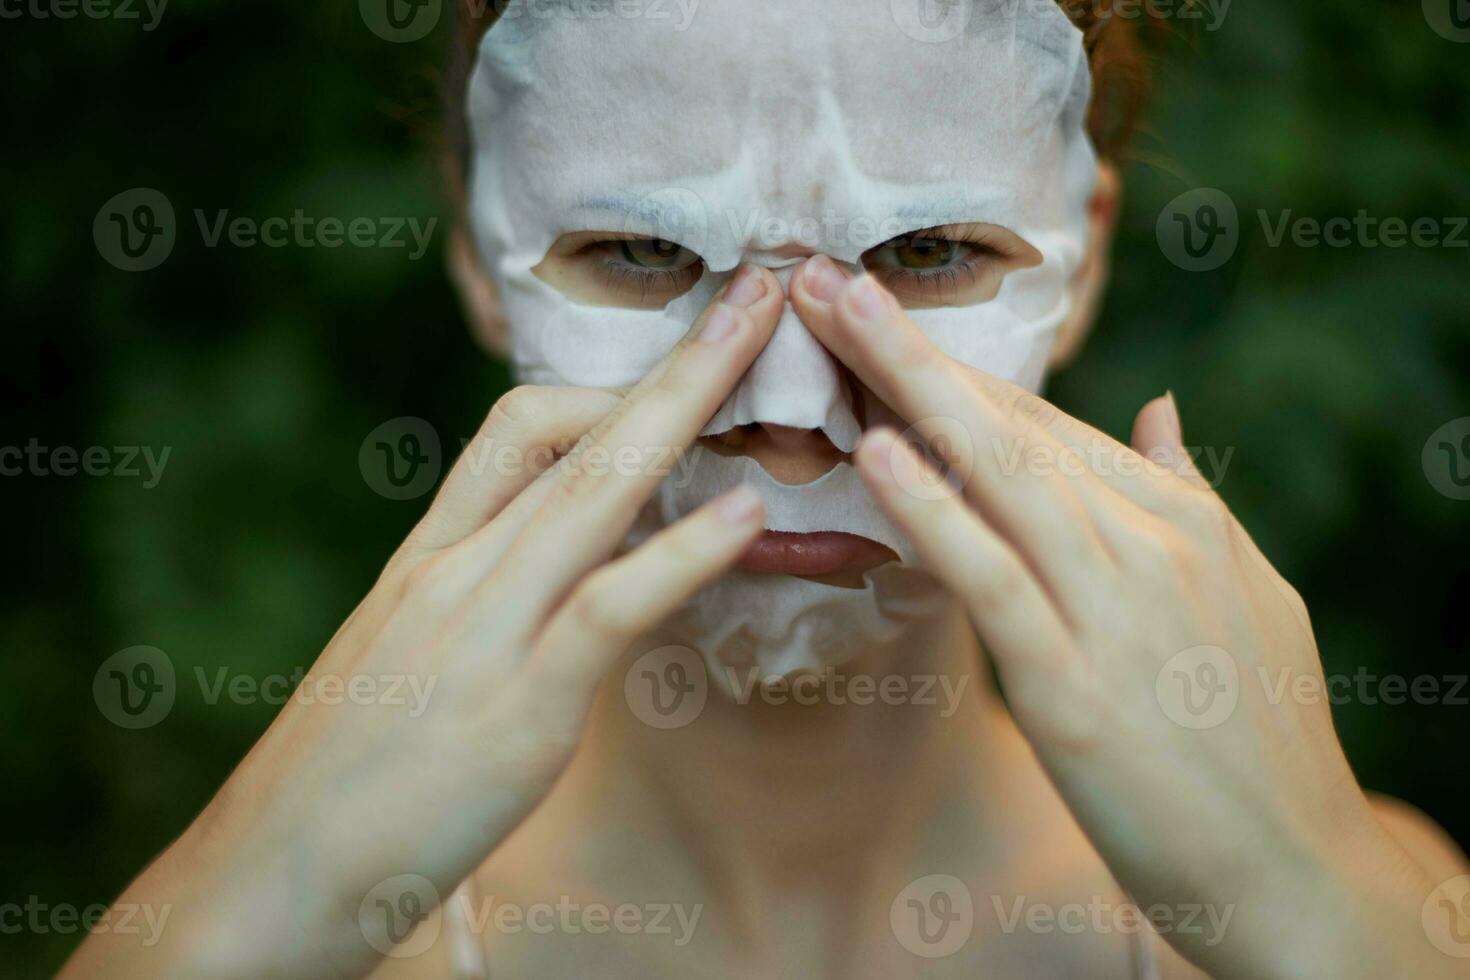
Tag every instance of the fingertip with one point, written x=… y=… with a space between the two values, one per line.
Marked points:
x=741 y=507
x=822 y=280
x=1156 y=426
x=864 y=302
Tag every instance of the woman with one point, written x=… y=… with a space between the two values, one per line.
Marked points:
x=728 y=711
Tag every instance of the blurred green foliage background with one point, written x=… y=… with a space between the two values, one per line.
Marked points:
x=262 y=370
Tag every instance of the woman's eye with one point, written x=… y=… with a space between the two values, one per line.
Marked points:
x=956 y=265
x=923 y=253
x=643 y=272
x=606 y=268
x=656 y=253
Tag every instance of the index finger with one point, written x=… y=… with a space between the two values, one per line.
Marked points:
x=861 y=324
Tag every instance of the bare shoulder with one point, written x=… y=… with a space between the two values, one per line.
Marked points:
x=1418 y=834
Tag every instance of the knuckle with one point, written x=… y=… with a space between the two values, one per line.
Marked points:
x=1000 y=589
x=432 y=583
x=515 y=409
x=913 y=351
x=673 y=385
x=1068 y=707
x=1206 y=515
x=598 y=608
x=1184 y=557
x=1087 y=725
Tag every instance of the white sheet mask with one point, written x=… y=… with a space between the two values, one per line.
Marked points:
x=831 y=124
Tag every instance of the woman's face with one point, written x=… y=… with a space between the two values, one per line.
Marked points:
x=624 y=167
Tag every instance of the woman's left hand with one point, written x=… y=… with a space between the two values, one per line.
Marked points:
x=1155 y=660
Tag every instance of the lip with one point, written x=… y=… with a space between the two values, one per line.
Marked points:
x=813 y=553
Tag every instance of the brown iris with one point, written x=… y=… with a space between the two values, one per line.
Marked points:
x=652 y=253
x=923 y=253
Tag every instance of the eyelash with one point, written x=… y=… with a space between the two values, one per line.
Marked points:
x=939 y=282
x=617 y=274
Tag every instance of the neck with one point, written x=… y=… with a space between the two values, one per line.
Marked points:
x=829 y=784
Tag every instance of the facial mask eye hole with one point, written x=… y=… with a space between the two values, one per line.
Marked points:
x=617 y=269
x=952 y=265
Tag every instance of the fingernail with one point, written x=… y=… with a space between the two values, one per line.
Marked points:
x=867 y=300
x=720 y=325
x=823 y=279
x=1174 y=422
x=746 y=287
x=739 y=505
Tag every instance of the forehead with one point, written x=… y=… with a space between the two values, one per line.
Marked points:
x=693 y=86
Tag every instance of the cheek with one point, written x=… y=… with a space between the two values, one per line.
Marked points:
x=994 y=338
x=556 y=340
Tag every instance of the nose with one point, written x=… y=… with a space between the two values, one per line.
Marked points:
x=793 y=384
x=790 y=455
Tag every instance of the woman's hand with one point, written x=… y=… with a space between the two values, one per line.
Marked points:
x=504 y=607
x=1148 y=651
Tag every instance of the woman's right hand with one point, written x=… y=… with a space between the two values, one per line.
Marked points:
x=504 y=609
